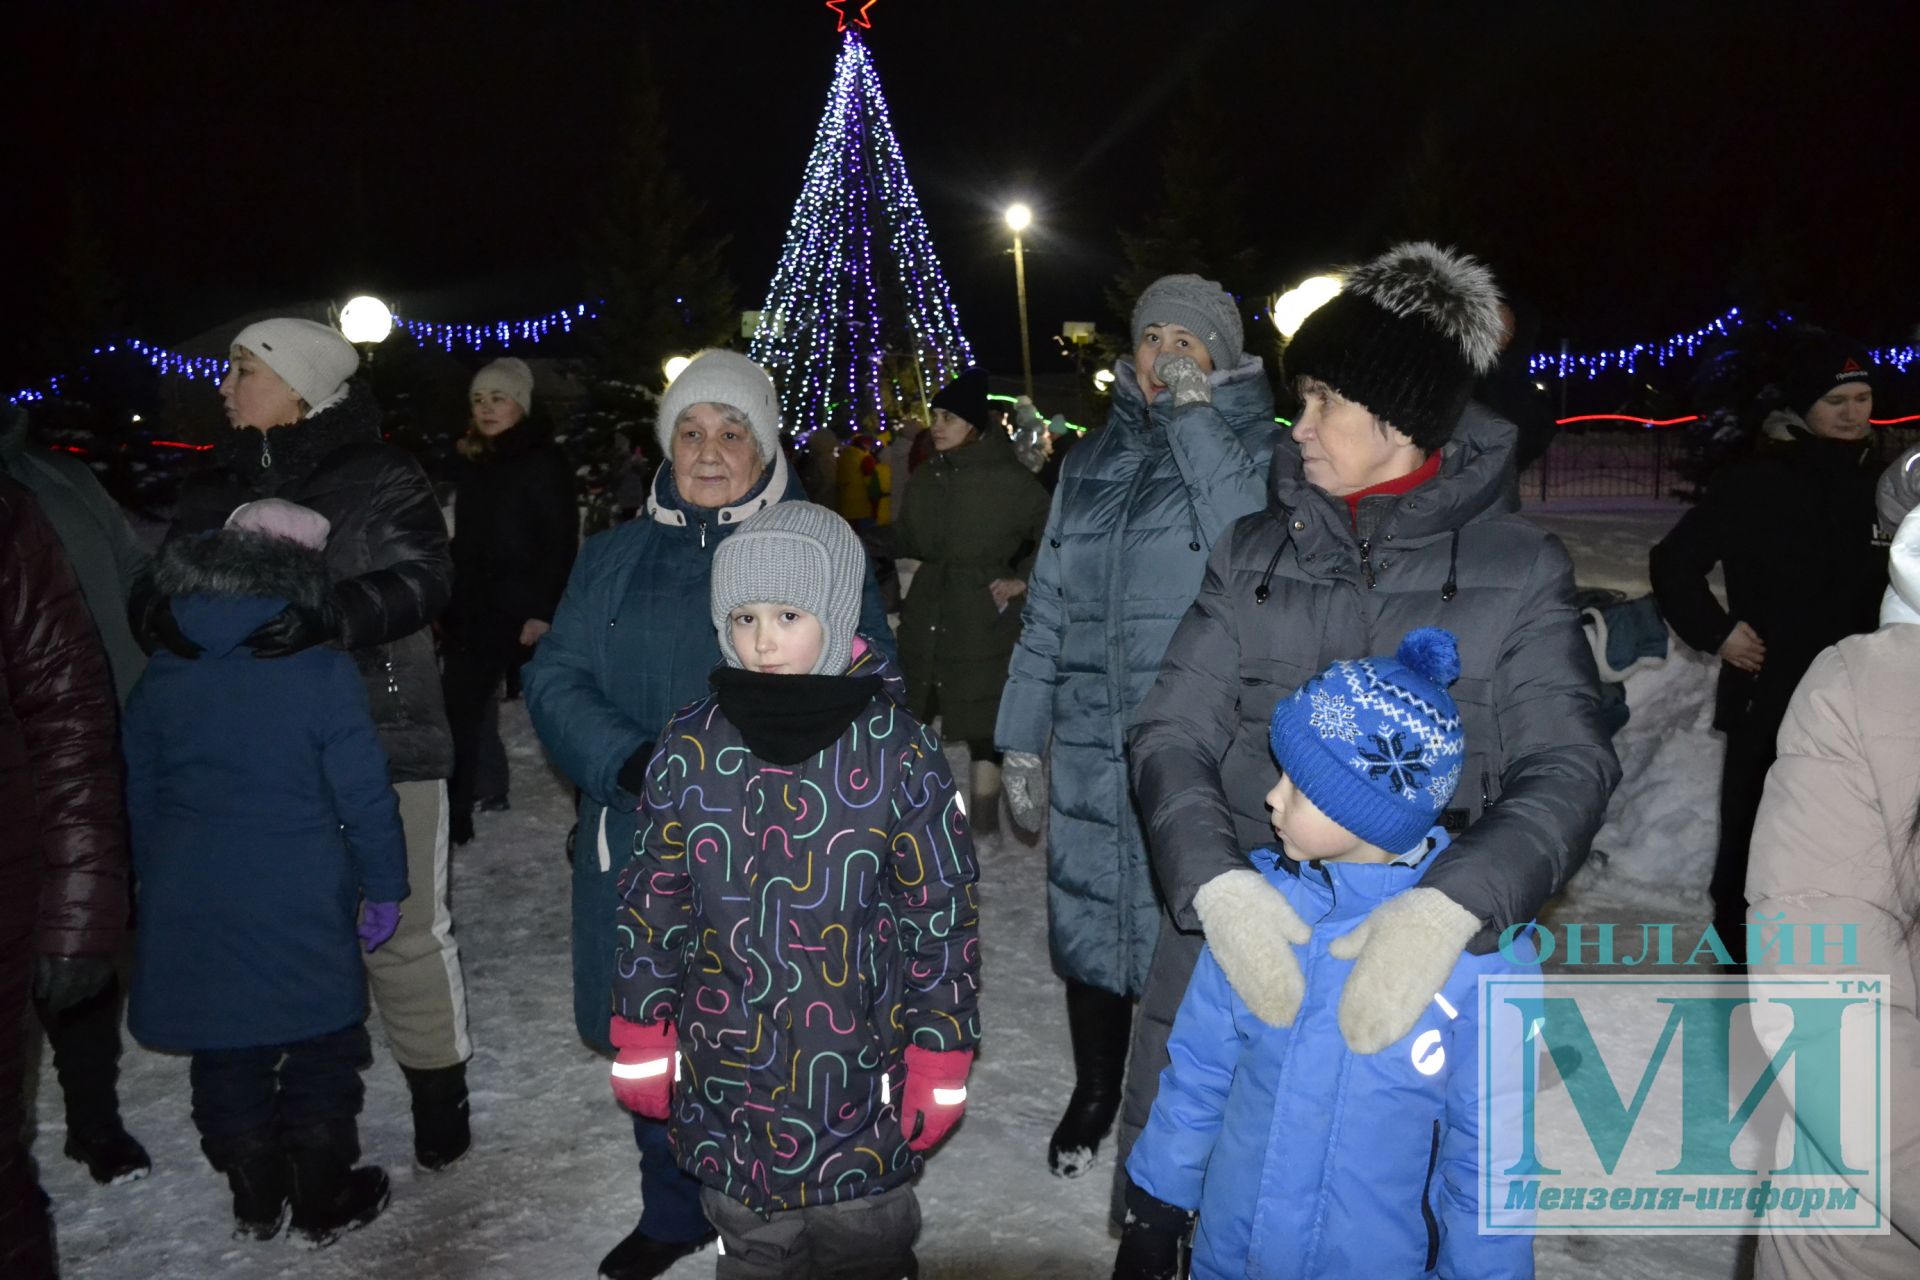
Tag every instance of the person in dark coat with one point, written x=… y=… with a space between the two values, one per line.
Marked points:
x=625 y=652
x=975 y=524
x=305 y=431
x=1795 y=527
x=264 y=831
x=1390 y=509
x=516 y=531
x=63 y=851
x=1183 y=454
x=106 y=559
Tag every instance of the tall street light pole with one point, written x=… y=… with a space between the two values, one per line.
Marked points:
x=1019 y=218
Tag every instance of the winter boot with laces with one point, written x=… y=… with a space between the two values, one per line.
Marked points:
x=1100 y=1024
x=329 y=1195
x=441 y=1134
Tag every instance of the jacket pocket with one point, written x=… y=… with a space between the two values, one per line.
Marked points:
x=1426 y=1201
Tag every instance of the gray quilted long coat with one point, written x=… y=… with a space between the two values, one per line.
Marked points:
x=1138 y=507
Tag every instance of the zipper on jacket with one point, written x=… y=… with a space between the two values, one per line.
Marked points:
x=1426 y=1201
x=1366 y=561
x=266 y=452
x=703 y=535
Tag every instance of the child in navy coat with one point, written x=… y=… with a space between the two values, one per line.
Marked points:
x=265 y=838
x=1301 y=1157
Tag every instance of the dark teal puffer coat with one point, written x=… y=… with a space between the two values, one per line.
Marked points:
x=632 y=642
x=1138 y=507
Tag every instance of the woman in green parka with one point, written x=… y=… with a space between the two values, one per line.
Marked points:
x=974 y=523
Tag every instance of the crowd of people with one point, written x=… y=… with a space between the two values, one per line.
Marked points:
x=1305 y=713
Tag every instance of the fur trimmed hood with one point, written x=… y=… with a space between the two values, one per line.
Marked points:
x=235 y=562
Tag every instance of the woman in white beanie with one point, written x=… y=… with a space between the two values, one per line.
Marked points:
x=632 y=643
x=304 y=430
x=516 y=529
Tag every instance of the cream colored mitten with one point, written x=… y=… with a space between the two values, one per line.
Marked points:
x=1253 y=929
x=1402 y=953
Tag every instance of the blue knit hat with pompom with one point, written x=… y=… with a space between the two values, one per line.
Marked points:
x=1376 y=743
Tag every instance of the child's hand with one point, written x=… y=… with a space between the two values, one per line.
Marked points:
x=643 y=1074
x=378 y=920
x=935 y=1095
x=1151 y=1240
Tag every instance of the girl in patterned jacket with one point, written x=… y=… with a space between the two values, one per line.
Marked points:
x=796 y=979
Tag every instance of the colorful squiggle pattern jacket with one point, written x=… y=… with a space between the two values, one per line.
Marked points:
x=801 y=925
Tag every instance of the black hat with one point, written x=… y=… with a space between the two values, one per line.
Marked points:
x=1817 y=363
x=1406 y=336
x=966 y=397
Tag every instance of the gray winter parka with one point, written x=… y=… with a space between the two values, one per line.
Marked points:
x=1139 y=505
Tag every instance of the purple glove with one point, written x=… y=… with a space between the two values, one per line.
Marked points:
x=378 y=920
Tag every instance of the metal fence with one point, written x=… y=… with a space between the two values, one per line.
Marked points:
x=1637 y=462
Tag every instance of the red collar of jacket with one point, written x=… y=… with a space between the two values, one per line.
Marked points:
x=1399 y=485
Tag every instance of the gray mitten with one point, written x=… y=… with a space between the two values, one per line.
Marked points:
x=1023 y=778
x=1183 y=376
x=1252 y=930
x=1402 y=953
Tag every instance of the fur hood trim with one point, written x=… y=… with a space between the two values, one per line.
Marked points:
x=237 y=562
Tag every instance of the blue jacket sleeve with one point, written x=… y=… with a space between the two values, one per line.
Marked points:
x=1026 y=704
x=654 y=923
x=1169 y=1162
x=1223 y=480
x=1465 y=1254
x=140 y=745
x=586 y=736
x=355 y=766
x=873 y=618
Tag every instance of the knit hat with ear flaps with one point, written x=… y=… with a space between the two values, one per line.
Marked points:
x=729 y=378
x=1405 y=337
x=1200 y=306
x=1377 y=743
x=509 y=376
x=310 y=357
x=797 y=554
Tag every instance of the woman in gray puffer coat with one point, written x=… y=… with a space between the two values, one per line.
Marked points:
x=1139 y=505
x=1389 y=510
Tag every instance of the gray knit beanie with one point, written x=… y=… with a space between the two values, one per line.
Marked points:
x=799 y=554
x=1201 y=306
x=729 y=378
x=310 y=357
x=509 y=376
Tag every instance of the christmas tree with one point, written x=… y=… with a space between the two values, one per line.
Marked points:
x=858 y=294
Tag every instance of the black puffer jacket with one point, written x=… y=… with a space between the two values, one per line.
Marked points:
x=388 y=555
x=516 y=529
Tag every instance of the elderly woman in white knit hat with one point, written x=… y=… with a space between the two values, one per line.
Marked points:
x=631 y=643
x=516 y=529
x=306 y=431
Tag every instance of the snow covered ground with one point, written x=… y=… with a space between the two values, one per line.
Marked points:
x=551 y=1182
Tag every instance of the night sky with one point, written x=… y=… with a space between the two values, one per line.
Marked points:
x=1632 y=168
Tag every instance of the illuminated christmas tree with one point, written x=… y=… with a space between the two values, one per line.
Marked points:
x=858 y=293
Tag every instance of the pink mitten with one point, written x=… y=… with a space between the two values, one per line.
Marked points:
x=935 y=1096
x=643 y=1073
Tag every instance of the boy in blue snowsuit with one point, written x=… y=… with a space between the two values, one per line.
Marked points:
x=1300 y=1157
x=266 y=836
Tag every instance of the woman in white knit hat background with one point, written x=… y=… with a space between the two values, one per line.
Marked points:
x=306 y=431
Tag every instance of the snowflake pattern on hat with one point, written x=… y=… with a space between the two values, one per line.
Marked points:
x=1441 y=787
x=1332 y=717
x=1394 y=759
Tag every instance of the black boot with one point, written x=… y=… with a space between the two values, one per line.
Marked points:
x=257 y=1172
x=460 y=826
x=330 y=1195
x=440 y=1131
x=111 y=1155
x=1100 y=1024
x=641 y=1257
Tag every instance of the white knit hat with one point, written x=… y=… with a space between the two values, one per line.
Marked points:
x=509 y=376
x=310 y=357
x=729 y=378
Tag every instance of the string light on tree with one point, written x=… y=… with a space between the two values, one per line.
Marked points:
x=858 y=278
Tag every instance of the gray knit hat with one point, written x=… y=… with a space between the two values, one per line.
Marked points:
x=799 y=554
x=509 y=376
x=1201 y=306
x=310 y=357
x=729 y=378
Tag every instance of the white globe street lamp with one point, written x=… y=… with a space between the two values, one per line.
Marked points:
x=1019 y=218
x=1291 y=308
x=673 y=365
x=366 y=320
